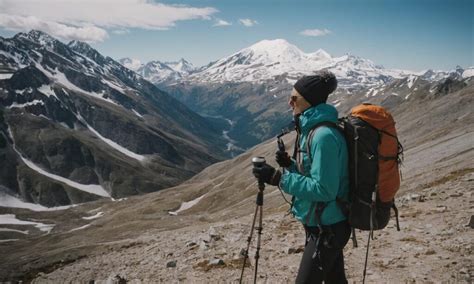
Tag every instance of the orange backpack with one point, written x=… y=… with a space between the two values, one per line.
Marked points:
x=374 y=158
x=389 y=149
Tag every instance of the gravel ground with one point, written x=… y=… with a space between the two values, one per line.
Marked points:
x=434 y=245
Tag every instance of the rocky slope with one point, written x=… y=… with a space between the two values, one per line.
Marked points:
x=195 y=232
x=76 y=126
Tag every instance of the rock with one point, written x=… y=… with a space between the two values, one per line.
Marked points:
x=203 y=245
x=120 y=280
x=414 y=196
x=295 y=250
x=191 y=244
x=441 y=209
x=430 y=252
x=457 y=194
x=171 y=263
x=216 y=261
x=242 y=253
x=471 y=222
x=213 y=235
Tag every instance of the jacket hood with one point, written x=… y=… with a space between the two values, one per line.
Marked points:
x=315 y=115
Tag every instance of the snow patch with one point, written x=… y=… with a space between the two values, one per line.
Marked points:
x=13 y=202
x=4 y=76
x=14 y=231
x=62 y=79
x=468 y=73
x=375 y=92
x=137 y=113
x=186 y=205
x=47 y=90
x=98 y=215
x=90 y=188
x=80 y=228
x=411 y=80
x=114 y=86
x=10 y=219
x=112 y=144
x=29 y=90
x=32 y=103
x=9 y=240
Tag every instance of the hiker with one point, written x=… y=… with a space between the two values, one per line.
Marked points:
x=316 y=180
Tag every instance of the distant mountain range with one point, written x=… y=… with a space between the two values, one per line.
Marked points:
x=250 y=87
x=277 y=59
x=159 y=72
x=76 y=126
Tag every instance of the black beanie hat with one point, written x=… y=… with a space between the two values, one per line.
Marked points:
x=316 y=88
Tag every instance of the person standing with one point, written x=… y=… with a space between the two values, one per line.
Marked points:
x=318 y=180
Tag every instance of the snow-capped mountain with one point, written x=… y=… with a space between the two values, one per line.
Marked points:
x=269 y=59
x=278 y=59
x=181 y=66
x=76 y=126
x=159 y=72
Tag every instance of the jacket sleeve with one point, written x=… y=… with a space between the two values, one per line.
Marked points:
x=323 y=183
x=292 y=168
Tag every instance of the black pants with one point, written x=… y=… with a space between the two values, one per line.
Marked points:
x=323 y=260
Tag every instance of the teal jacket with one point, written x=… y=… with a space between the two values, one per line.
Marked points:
x=326 y=176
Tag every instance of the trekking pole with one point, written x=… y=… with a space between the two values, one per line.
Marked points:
x=258 y=162
x=371 y=232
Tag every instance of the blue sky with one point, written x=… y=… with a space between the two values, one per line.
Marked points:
x=414 y=35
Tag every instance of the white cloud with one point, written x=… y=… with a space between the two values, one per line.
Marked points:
x=248 y=22
x=96 y=16
x=315 y=32
x=221 y=23
x=85 y=33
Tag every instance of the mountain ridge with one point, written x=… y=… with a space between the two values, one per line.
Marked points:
x=72 y=117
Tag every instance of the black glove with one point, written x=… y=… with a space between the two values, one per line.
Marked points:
x=267 y=174
x=283 y=159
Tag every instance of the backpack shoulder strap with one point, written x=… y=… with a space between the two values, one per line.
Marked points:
x=312 y=132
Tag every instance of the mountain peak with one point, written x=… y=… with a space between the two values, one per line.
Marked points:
x=181 y=66
x=275 y=47
x=86 y=50
x=320 y=54
x=37 y=36
x=79 y=45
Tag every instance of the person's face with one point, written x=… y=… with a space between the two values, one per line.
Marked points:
x=297 y=103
